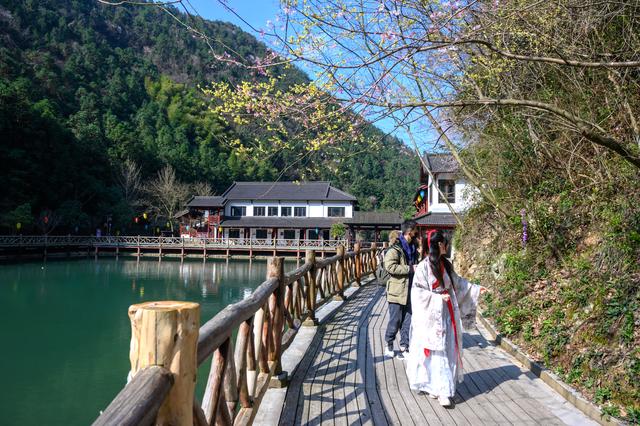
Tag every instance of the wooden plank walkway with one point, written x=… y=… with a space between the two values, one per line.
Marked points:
x=344 y=379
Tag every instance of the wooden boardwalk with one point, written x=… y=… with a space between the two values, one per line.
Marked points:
x=344 y=379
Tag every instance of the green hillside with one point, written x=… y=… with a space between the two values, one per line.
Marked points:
x=85 y=86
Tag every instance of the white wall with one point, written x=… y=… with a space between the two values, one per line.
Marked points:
x=314 y=208
x=461 y=201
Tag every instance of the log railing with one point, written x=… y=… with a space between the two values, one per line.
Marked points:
x=241 y=371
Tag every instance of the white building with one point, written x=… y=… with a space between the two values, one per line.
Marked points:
x=433 y=211
x=267 y=210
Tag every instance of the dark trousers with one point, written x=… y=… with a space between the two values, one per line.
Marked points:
x=399 y=318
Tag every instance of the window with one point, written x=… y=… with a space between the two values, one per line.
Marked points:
x=448 y=188
x=335 y=211
x=273 y=210
x=237 y=211
x=261 y=233
x=258 y=211
x=289 y=234
x=234 y=233
x=313 y=234
x=285 y=211
x=325 y=234
x=300 y=211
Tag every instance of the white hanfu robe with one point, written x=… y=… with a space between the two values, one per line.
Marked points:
x=438 y=369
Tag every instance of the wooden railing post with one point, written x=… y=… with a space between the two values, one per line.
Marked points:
x=374 y=257
x=275 y=269
x=341 y=273
x=214 y=390
x=310 y=280
x=358 y=264
x=166 y=334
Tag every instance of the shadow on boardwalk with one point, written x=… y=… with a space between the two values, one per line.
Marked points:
x=344 y=379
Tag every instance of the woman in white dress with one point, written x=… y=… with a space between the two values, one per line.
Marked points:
x=442 y=304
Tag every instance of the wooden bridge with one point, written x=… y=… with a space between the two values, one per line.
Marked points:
x=342 y=378
x=163 y=246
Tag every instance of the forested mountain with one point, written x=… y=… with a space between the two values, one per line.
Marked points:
x=85 y=86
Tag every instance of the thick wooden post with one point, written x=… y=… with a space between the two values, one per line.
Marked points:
x=341 y=273
x=358 y=264
x=166 y=334
x=310 y=280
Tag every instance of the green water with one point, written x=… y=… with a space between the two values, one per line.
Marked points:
x=65 y=330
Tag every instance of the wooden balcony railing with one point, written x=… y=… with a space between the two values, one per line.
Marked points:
x=241 y=371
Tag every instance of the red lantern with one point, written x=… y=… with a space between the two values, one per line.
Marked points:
x=46 y=219
x=136 y=219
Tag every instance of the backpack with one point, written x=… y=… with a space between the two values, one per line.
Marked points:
x=382 y=274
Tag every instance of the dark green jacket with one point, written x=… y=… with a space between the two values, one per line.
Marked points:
x=395 y=262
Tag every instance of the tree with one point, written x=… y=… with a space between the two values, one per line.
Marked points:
x=18 y=219
x=337 y=231
x=202 y=189
x=129 y=182
x=443 y=66
x=166 y=195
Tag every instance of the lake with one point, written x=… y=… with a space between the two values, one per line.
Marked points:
x=66 y=331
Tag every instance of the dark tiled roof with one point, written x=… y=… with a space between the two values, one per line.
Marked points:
x=436 y=219
x=279 y=222
x=375 y=218
x=313 y=191
x=213 y=201
x=441 y=163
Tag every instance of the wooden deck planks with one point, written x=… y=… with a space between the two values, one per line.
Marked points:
x=344 y=379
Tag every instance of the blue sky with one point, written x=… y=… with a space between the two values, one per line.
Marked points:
x=257 y=13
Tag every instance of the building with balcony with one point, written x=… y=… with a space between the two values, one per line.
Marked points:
x=433 y=206
x=280 y=210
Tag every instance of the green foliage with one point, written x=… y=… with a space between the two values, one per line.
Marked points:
x=20 y=215
x=337 y=231
x=85 y=86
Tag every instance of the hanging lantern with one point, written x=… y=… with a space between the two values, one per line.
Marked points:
x=136 y=219
x=422 y=193
x=220 y=229
x=157 y=230
x=146 y=226
x=45 y=219
x=18 y=226
x=118 y=232
x=168 y=225
x=145 y=216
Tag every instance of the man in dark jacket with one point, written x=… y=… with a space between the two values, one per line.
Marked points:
x=400 y=261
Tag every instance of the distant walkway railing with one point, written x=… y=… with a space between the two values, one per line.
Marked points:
x=166 y=242
x=162 y=388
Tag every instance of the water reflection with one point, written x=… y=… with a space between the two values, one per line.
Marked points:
x=76 y=312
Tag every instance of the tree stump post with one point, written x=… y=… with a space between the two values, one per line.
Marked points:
x=166 y=334
x=341 y=273
x=310 y=257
